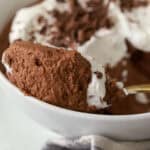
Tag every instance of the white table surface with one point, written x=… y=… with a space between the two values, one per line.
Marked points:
x=18 y=131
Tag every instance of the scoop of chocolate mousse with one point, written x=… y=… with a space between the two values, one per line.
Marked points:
x=56 y=76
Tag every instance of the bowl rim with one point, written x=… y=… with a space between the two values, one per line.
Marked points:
x=73 y=113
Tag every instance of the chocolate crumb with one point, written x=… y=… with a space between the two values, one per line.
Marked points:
x=60 y=1
x=130 y=4
x=41 y=19
x=98 y=74
x=91 y=96
x=78 y=24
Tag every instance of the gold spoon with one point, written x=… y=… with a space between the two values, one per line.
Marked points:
x=144 y=88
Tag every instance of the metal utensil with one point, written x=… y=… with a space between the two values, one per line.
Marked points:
x=144 y=88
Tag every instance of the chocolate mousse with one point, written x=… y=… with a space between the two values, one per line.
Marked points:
x=111 y=36
x=140 y=59
x=60 y=77
x=53 y=75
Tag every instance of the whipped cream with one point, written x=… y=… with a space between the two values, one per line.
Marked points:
x=97 y=87
x=27 y=21
x=84 y=4
x=105 y=46
x=138 y=24
x=142 y=98
x=6 y=65
x=108 y=46
x=138 y=21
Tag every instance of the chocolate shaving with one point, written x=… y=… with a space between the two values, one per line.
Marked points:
x=77 y=25
x=98 y=74
x=130 y=4
x=60 y=1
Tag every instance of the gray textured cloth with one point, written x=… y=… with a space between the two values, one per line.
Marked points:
x=95 y=143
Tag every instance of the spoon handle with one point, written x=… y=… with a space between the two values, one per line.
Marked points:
x=145 y=88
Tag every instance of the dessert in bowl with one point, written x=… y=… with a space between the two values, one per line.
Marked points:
x=87 y=55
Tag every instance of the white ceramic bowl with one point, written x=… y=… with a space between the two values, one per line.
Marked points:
x=67 y=122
